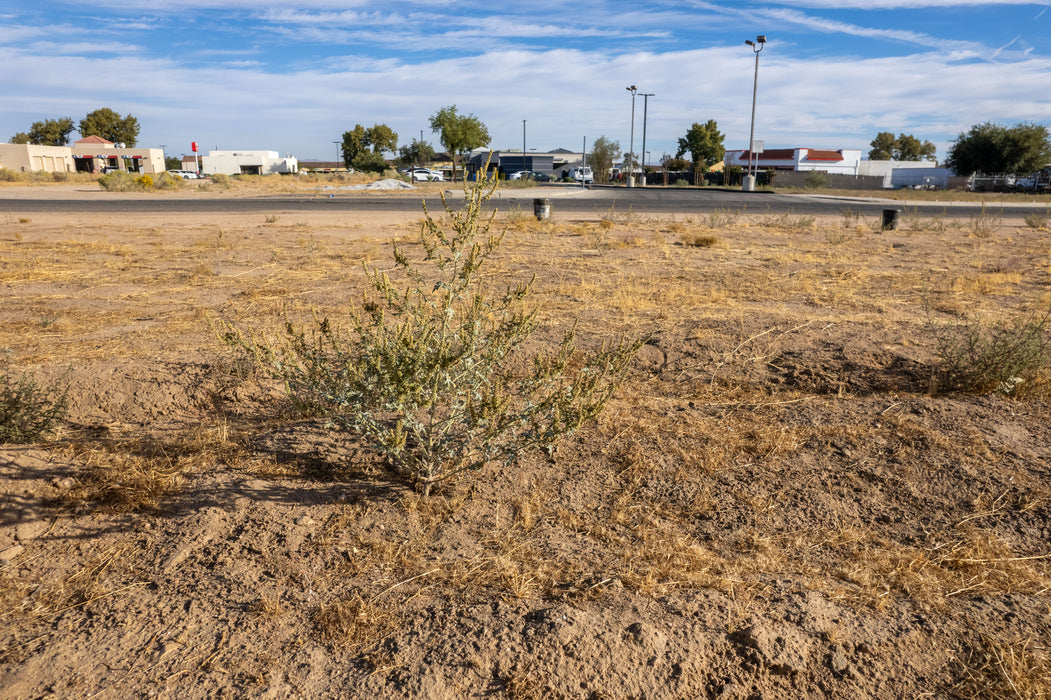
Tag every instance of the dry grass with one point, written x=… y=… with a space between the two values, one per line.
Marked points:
x=98 y=577
x=1002 y=669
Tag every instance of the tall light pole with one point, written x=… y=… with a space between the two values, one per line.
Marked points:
x=523 y=144
x=338 y=152
x=631 y=173
x=645 y=106
x=748 y=182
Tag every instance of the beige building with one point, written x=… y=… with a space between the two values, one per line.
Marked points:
x=89 y=155
x=95 y=154
x=28 y=158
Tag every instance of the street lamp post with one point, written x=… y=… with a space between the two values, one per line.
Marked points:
x=631 y=173
x=523 y=144
x=338 y=152
x=748 y=181
x=645 y=107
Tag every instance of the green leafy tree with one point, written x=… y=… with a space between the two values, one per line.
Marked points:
x=363 y=148
x=911 y=148
x=704 y=143
x=604 y=153
x=459 y=133
x=111 y=126
x=417 y=152
x=49 y=132
x=992 y=149
x=883 y=146
x=904 y=147
x=675 y=164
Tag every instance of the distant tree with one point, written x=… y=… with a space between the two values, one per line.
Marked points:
x=172 y=163
x=704 y=143
x=630 y=163
x=675 y=164
x=604 y=153
x=111 y=126
x=905 y=147
x=49 y=132
x=415 y=153
x=363 y=148
x=458 y=133
x=911 y=148
x=883 y=146
x=992 y=149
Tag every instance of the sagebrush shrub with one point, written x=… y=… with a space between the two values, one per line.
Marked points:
x=980 y=358
x=167 y=181
x=432 y=370
x=118 y=181
x=28 y=410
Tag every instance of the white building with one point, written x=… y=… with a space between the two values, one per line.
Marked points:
x=907 y=173
x=843 y=161
x=248 y=163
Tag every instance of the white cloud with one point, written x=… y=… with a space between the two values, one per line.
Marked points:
x=564 y=95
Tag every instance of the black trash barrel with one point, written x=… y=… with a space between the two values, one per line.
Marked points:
x=890 y=219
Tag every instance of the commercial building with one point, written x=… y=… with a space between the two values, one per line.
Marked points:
x=248 y=163
x=24 y=157
x=844 y=161
x=95 y=154
x=88 y=155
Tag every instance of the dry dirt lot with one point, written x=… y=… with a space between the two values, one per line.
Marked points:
x=776 y=504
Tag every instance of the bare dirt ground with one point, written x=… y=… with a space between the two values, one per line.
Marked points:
x=775 y=505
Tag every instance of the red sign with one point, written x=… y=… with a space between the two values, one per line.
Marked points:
x=193 y=146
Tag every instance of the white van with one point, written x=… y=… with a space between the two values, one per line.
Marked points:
x=582 y=174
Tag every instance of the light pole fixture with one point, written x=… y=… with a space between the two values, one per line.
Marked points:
x=645 y=107
x=523 y=144
x=757 y=46
x=631 y=173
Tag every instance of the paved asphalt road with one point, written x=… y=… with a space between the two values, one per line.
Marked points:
x=565 y=199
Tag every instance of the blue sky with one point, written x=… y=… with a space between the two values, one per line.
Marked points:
x=247 y=74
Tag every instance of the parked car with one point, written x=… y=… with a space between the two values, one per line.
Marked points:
x=427 y=175
x=582 y=174
x=185 y=174
x=529 y=175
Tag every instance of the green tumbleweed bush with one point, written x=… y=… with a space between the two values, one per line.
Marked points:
x=432 y=371
x=979 y=358
x=29 y=410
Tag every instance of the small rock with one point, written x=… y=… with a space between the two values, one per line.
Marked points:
x=12 y=552
x=306 y=520
x=64 y=483
x=841 y=666
x=839 y=662
x=28 y=531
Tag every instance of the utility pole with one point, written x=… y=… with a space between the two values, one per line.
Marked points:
x=645 y=105
x=631 y=173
